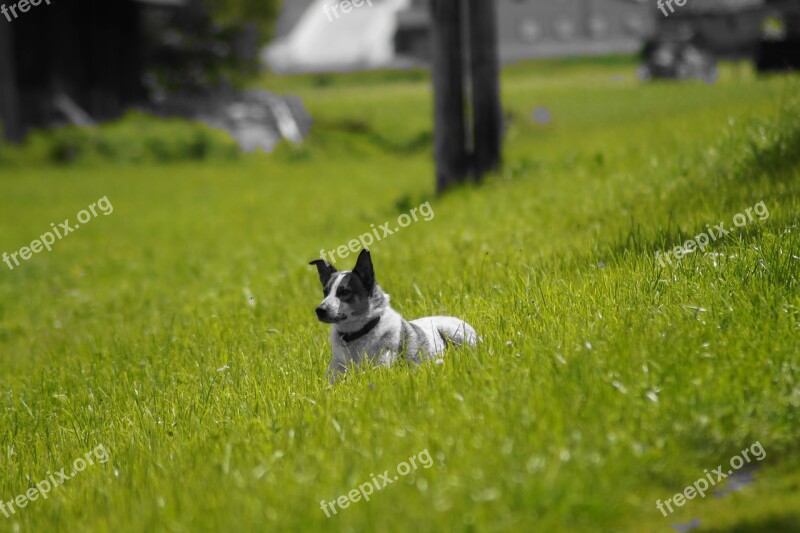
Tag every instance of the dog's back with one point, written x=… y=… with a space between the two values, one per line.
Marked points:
x=438 y=331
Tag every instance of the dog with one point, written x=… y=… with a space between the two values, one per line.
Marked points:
x=366 y=328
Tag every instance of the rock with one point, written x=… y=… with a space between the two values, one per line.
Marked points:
x=255 y=118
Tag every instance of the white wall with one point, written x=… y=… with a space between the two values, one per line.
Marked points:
x=362 y=38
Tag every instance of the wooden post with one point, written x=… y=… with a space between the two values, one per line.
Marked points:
x=9 y=95
x=485 y=65
x=448 y=75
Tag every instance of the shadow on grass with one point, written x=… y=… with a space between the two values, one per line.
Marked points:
x=419 y=143
x=785 y=523
x=761 y=148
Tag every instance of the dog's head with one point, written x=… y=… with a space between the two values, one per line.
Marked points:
x=351 y=297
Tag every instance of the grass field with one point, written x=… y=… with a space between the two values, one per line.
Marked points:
x=178 y=331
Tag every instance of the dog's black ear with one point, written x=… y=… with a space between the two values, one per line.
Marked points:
x=364 y=270
x=324 y=269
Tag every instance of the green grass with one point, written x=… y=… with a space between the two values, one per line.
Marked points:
x=604 y=381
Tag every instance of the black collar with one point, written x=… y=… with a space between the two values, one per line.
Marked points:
x=354 y=335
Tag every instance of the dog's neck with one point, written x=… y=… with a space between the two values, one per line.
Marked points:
x=355 y=335
x=356 y=329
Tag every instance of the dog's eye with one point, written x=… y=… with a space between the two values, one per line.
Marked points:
x=343 y=293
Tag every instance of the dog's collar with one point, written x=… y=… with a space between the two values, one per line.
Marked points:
x=355 y=335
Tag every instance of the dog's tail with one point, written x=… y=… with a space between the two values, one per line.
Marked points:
x=462 y=334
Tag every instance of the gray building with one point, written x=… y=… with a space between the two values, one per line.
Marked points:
x=531 y=28
x=727 y=28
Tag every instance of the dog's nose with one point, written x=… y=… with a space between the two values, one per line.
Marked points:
x=320 y=312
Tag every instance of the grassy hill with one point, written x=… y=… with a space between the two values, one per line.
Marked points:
x=178 y=332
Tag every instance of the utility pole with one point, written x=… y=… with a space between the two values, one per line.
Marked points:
x=487 y=114
x=464 y=41
x=9 y=95
x=448 y=135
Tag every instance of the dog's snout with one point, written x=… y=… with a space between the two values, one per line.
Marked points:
x=320 y=312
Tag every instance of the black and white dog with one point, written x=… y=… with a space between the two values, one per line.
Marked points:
x=365 y=327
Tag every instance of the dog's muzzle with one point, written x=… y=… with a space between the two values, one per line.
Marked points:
x=324 y=316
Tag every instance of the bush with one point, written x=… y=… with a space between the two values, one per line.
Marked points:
x=135 y=138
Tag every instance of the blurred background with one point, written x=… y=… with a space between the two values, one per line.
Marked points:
x=83 y=63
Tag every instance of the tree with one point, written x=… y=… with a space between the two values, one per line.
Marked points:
x=261 y=13
x=211 y=42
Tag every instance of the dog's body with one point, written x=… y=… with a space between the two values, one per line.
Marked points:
x=365 y=327
x=394 y=337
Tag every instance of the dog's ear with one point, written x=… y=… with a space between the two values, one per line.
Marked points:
x=364 y=270
x=324 y=269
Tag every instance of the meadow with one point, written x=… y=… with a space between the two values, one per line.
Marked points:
x=178 y=331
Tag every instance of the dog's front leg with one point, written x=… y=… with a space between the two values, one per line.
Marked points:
x=335 y=369
x=386 y=358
